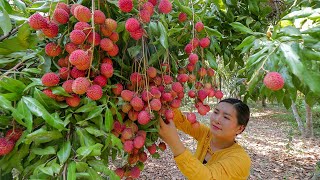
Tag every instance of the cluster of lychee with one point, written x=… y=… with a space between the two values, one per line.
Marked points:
x=76 y=57
x=146 y=9
x=8 y=142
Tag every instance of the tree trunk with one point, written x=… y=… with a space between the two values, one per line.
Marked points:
x=309 y=123
x=264 y=104
x=298 y=118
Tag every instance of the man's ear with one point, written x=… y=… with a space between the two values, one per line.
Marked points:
x=240 y=129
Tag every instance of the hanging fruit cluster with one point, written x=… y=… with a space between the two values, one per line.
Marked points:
x=89 y=76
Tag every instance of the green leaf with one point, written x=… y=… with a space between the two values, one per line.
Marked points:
x=246 y=42
x=213 y=32
x=94 y=175
x=154 y=28
x=299 y=14
x=64 y=152
x=58 y=90
x=95 y=132
x=37 y=109
x=183 y=8
x=12 y=85
x=94 y=150
x=6 y=104
x=23 y=37
x=155 y=57
x=212 y=60
x=46 y=151
x=95 y=112
x=163 y=35
x=240 y=27
x=312 y=79
x=5 y=24
x=108 y=120
x=99 y=166
x=119 y=116
x=85 y=138
x=71 y=175
x=116 y=142
x=290 y=31
x=287 y=101
x=42 y=136
x=27 y=116
x=81 y=166
x=134 y=51
x=88 y=107
x=47 y=102
x=220 y=4
x=21 y=5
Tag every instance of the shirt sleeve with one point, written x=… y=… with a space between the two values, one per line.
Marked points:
x=184 y=125
x=233 y=167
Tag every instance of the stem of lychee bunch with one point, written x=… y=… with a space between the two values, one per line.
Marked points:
x=50 y=9
x=144 y=56
x=94 y=35
x=193 y=26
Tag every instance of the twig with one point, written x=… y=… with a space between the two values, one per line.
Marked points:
x=12 y=32
x=11 y=70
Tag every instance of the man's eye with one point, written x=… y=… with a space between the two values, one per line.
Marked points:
x=226 y=117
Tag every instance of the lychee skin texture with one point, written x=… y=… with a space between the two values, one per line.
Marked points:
x=193 y=58
x=128 y=146
x=79 y=57
x=80 y=85
x=85 y=27
x=94 y=92
x=143 y=117
x=273 y=81
x=136 y=35
x=111 y=24
x=51 y=30
x=199 y=26
x=162 y=146
x=132 y=25
x=6 y=146
x=165 y=6
x=82 y=13
x=14 y=134
x=152 y=149
x=137 y=103
x=182 y=17
x=138 y=142
x=118 y=89
x=37 y=21
x=152 y=72
x=135 y=172
x=75 y=73
x=125 y=5
x=60 y=16
x=106 y=44
x=119 y=172
x=67 y=86
x=52 y=49
x=143 y=157
x=77 y=36
x=145 y=15
x=218 y=94
x=50 y=79
x=205 y=42
x=100 y=80
x=49 y=93
x=106 y=70
x=191 y=118
x=155 y=104
x=153 y=2
x=99 y=17
x=127 y=95
x=73 y=101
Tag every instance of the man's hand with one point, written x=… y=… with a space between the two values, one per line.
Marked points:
x=169 y=134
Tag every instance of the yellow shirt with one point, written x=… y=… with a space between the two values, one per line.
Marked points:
x=229 y=163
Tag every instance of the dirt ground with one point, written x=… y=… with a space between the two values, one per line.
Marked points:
x=266 y=140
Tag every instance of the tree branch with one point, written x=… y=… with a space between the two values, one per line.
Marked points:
x=12 y=32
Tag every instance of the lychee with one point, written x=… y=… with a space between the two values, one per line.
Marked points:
x=205 y=42
x=182 y=17
x=153 y=2
x=49 y=93
x=106 y=44
x=100 y=80
x=60 y=16
x=169 y=114
x=94 y=37
x=177 y=87
x=145 y=15
x=152 y=149
x=127 y=95
x=135 y=172
x=273 y=81
x=191 y=117
x=199 y=26
x=114 y=51
x=132 y=25
x=127 y=133
x=218 y=94
x=70 y=47
x=37 y=21
x=6 y=146
x=111 y=24
x=138 y=142
x=94 y=92
x=128 y=146
x=79 y=57
x=155 y=104
x=80 y=85
x=63 y=6
x=143 y=117
x=77 y=36
x=136 y=35
x=73 y=101
x=125 y=5
x=210 y=72
x=75 y=73
x=137 y=103
x=99 y=17
x=51 y=30
x=133 y=115
x=165 y=6
x=106 y=70
x=50 y=79
x=193 y=58
x=188 y=48
x=82 y=13
x=114 y=37
x=162 y=146
x=52 y=49
x=182 y=78
x=119 y=172
x=83 y=26
x=143 y=157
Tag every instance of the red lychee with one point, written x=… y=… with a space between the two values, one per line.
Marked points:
x=49 y=93
x=133 y=115
x=111 y=24
x=169 y=114
x=152 y=149
x=75 y=73
x=60 y=16
x=132 y=25
x=218 y=94
x=127 y=133
x=165 y=6
x=94 y=92
x=143 y=157
x=176 y=103
x=99 y=17
x=143 y=117
x=202 y=72
x=83 y=26
x=37 y=21
x=127 y=95
x=80 y=85
x=6 y=146
x=67 y=86
x=79 y=57
x=145 y=15
x=191 y=118
x=51 y=30
x=138 y=142
x=153 y=2
x=73 y=101
x=100 y=80
x=82 y=13
x=135 y=172
x=199 y=26
x=182 y=17
x=70 y=47
x=125 y=5
x=210 y=72
x=96 y=39
x=50 y=79
x=114 y=51
x=177 y=87
x=193 y=58
x=273 y=81
x=63 y=6
x=106 y=44
x=137 y=103
x=52 y=49
x=188 y=48
x=149 y=7
x=119 y=172
x=64 y=73
x=136 y=35
x=128 y=146
x=14 y=134
x=205 y=42
x=155 y=104
x=162 y=146
x=114 y=37
x=106 y=70
x=77 y=36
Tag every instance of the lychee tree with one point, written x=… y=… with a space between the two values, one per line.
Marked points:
x=86 y=83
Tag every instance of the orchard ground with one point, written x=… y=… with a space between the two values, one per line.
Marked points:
x=266 y=139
